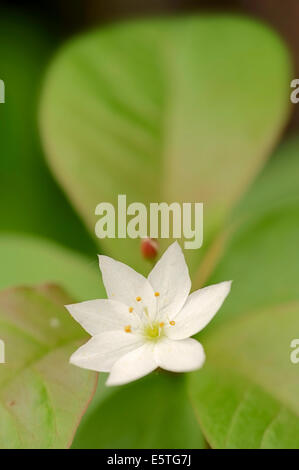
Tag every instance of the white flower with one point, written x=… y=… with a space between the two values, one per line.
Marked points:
x=146 y=323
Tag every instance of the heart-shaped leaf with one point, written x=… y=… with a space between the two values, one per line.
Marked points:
x=246 y=396
x=164 y=110
x=42 y=396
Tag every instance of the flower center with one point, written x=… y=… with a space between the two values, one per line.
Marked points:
x=153 y=331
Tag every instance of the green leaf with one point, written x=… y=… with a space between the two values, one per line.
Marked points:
x=246 y=396
x=236 y=413
x=30 y=260
x=262 y=255
x=30 y=200
x=42 y=396
x=154 y=412
x=164 y=110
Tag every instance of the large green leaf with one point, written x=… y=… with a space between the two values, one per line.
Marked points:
x=236 y=412
x=262 y=256
x=30 y=200
x=30 y=260
x=164 y=110
x=247 y=393
x=154 y=412
x=42 y=396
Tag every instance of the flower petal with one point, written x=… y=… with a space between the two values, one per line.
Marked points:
x=170 y=277
x=133 y=365
x=179 y=356
x=124 y=284
x=198 y=311
x=98 y=316
x=102 y=351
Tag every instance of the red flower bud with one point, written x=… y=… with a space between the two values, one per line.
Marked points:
x=149 y=248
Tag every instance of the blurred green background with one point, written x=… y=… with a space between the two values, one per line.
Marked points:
x=193 y=105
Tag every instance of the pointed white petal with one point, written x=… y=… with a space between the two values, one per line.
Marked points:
x=124 y=284
x=179 y=356
x=198 y=311
x=98 y=316
x=102 y=351
x=133 y=365
x=170 y=277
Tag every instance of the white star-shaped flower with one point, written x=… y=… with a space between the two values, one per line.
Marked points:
x=146 y=323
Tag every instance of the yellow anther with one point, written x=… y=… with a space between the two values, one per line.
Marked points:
x=161 y=324
x=138 y=299
x=128 y=329
x=172 y=322
x=157 y=294
x=131 y=309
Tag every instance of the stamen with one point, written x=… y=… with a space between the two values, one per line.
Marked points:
x=172 y=322
x=138 y=299
x=157 y=294
x=131 y=309
x=128 y=329
x=161 y=324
